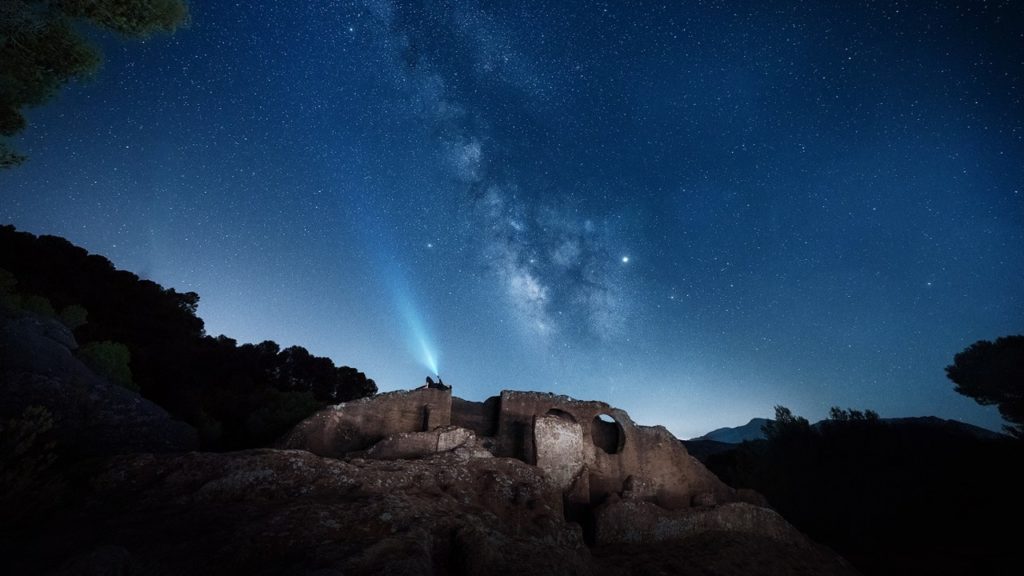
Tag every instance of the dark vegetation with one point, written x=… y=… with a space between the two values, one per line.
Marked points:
x=149 y=338
x=42 y=48
x=908 y=496
x=992 y=373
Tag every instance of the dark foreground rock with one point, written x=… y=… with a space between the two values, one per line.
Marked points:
x=718 y=553
x=639 y=522
x=91 y=416
x=291 y=512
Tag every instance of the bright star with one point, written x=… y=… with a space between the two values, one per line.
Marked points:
x=625 y=259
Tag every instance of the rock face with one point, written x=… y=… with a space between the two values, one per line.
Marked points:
x=91 y=416
x=590 y=451
x=624 y=483
x=357 y=425
x=290 y=512
x=639 y=522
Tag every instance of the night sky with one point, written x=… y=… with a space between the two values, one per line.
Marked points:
x=691 y=210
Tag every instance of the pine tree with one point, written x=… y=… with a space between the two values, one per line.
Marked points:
x=41 y=49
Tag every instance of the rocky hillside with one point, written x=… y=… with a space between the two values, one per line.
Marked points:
x=98 y=480
x=290 y=512
x=151 y=339
x=92 y=416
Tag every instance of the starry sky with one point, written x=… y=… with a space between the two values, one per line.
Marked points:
x=691 y=210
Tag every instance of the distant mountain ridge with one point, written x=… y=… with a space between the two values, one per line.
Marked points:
x=935 y=421
x=753 y=430
x=749 y=431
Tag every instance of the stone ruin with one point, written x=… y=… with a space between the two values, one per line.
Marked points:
x=606 y=466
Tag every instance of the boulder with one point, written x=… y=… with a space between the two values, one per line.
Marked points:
x=91 y=415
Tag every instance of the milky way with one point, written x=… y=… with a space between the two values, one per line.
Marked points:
x=691 y=210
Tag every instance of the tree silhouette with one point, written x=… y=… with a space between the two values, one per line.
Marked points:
x=41 y=49
x=139 y=333
x=993 y=373
x=786 y=425
x=837 y=414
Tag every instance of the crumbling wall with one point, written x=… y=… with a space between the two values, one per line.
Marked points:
x=351 y=426
x=612 y=453
x=480 y=417
x=412 y=445
x=515 y=422
x=589 y=458
x=677 y=479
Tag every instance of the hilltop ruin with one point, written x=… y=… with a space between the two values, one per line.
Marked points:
x=593 y=453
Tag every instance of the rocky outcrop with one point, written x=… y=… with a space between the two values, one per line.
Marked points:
x=357 y=425
x=91 y=415
x=588 y=450
x=290 y=512
x=639 y=522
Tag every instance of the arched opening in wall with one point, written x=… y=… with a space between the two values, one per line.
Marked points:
x=561 y=414
x=607 y=434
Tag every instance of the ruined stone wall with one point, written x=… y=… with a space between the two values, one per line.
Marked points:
x=600 y=458
x=590 y=459
x=412 y=445
x=352 y=426
x=669 y=476
x=480 y=417
x=515 y=423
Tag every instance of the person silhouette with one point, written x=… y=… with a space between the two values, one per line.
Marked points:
x=431 y=385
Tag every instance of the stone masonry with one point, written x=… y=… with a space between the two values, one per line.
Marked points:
x=589 y=450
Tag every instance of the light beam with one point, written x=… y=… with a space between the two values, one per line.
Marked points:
x=418 y=336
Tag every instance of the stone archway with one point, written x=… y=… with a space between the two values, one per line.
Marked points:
x=607 y=434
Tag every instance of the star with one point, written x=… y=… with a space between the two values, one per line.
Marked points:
x=625 y=259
